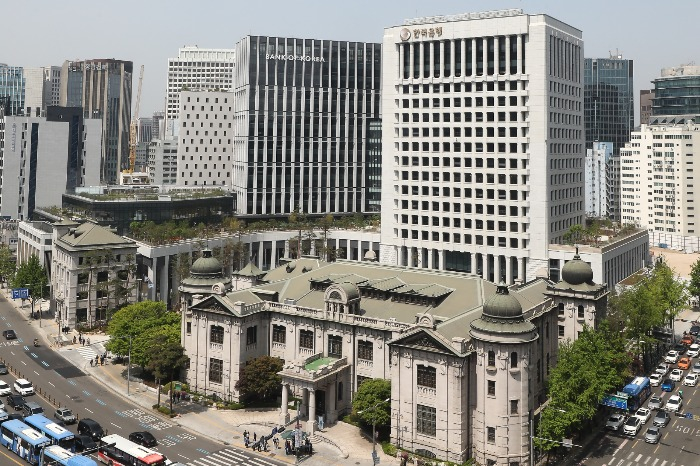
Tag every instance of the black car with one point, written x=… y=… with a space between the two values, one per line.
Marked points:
x=9 y=334
x=3 y=369
x=16 y=401
x=90 y=427
x=681 y=348
x=15 y=416
x=84 y=442
x=695 y=330
x=143 y=438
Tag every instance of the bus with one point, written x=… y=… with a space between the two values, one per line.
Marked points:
x=55 y=455
x=117 y=451
x=632 y=396
x=57 y=434
x=24 y=441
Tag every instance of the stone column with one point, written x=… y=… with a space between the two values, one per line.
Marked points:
x=507 y=40
x=485 y=56
x=496 y=57
x=509 y=272
x=285 y=404
x=520 y=54
x=164 y=284
x=473 y=57
x=332 y=404
x=311 y=423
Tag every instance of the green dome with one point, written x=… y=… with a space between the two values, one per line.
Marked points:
x=206 y=265
x=577 y=272
x=502 y=305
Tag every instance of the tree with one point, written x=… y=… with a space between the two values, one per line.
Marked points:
x=137 y=321
x=8 y=265
x=325 y=223
x=168 y=355
x=259 y=379
x=670 y=290
x=694 y=284
x=32 y=276
x=369 y=400
x=575 y=234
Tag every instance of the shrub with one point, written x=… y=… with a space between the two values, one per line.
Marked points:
x=389 y=449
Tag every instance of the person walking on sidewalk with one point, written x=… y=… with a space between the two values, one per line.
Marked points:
x=88 y=341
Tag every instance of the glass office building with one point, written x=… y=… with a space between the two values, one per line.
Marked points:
x=302 y=122
x=676 y=93
x=12 y=89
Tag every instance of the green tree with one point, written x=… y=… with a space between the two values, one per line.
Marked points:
x=325 y=224
x=694 y=284
x=139 y=321
x=575 y=234
x=8 y=264
x=168 y=356
x=670 y=290
x=259 y=379
x=33 y=276
x=369 y=400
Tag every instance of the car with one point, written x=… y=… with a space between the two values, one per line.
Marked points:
x=680 y=348
x=145 y=439
x=672 y=357
x=687 y=340
x=65 y=415
x=4 y=388
x=3 y=369
x=15 y=417
x=652 y=435
x=668 y=385
x=662 y=369
x=661 y=419
x=674 y=404
x=643 y=414
x=656 y=402
x=87 y=426
x=615 y=421
x=676 y=375
x=655 y=379
x=9 y=334
x=15 y=401
x=691 y=380
x=696 y=368
x=84 y=442
x=632 y=426
x=31 y=407
x=694 y=330
x=23 y=387
x=684 y=363
x=3 y=416
x=693 y=350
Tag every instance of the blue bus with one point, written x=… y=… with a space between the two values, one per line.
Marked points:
x=632 y=396
x=58 y=435
x=24 y=441
x=55 y=455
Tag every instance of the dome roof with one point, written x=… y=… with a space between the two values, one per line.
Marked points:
x=370 y=255
x=502 y=305
x=577 y=272
x=206 y=265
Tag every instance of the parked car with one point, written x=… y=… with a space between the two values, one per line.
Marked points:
x=84 y=442
x=655 y=379
x=615 y=421
x=684 y=363
x=668 y=385
x=4 y=389
x=632 y=426
x=31 y=407
x=672 y=357
x=661 y=419
x=691 y=380
x=23 y=387
x=65 y=415
x=674 y=404
x=676 y=375
x=643 y=414
x=662 y=369
x=90 y=427
x=695 y=330
x=656 y=402
x=9 y=334
x=653 y=435
x=693 y=350
x=3 y=369
x=143 y=438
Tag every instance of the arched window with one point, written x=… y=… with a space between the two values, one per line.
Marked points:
x=492 y=358
x=581 y=313
x=513 y=360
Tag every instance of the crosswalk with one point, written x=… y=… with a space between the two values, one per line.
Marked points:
x=86 y=352
x=635 y=459
x=230 y=457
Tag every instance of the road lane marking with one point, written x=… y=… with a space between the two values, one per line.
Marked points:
x=664 y=463
x=89 y=411
x=87 y=393
x=647 y=461
x=656 y=460
x=181 y=456
x=45 y=364
x=23 y=363
x=36 y=372
x=638 y=458
x=118 y=427
x=101 y=402
x=52 y=384
x=26 y=348
x=72 y=382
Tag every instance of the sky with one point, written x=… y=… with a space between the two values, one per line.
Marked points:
x=46 y=32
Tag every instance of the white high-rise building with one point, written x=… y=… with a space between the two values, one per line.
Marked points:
x=658 y=193
x=162 y=161
x=205 y=142
x=42 y=88
x=599 y=179
x=197 y=69
x=483 y=142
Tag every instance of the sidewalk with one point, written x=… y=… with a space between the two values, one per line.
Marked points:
x=340 y=444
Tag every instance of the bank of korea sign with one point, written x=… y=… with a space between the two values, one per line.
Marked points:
x=294 y=57
x=420 y=33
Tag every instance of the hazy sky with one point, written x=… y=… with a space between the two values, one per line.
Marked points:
x=46 y=32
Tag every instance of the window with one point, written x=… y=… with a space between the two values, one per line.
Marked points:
x=279 y=334
x=492 y=359
x=251 y=335
x=189 y=327
x=425 y=420
x=335 y=346
x=216 y=334
x=306 y=339
x=491 y=388
x=365 y=350
x=561 y=309
x=513 y=360
x=561 y=330
x=426 y=376
x=513 y=406
x=216 y=370
x=361 y=379
x=581 y=313
x=340 y=391
x=491 y=435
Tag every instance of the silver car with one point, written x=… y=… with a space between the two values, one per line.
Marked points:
x=615 y=421
x=656 y=402
x=661 y=419
x=653 y=435
x=696 y=368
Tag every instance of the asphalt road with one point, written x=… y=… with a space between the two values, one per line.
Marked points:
x=70 y=386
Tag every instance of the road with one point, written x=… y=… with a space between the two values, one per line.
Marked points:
x=61 y=380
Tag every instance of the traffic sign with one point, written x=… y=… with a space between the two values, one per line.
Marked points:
x=375 y=457
x=20 y=293
x=688 y=416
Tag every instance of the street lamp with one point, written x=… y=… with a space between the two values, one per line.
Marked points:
x=374 y=428
x=128 y=367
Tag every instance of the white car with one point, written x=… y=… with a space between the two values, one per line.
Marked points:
x=662 y=369
x=643 y=414
x=655 y=379
x=693 y=350
x=23 y=387
x=676 y=375
x=672 y=357
x=4 y=389
x=674 y=404
x=632 y=426
x=691 y=380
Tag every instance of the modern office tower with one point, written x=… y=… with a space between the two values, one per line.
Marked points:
x=676 y=95
x=302 y=121
x=12 y=89
x=145 y=133
x=162 y=161
x=646 y=99
x=102 y=87
x=44 y=157
x=157 y=130
x=598 y=179
x=608 y=100
x=42 y=89
x=205 y=147
x=373 y=202
x=197 y=69
x=483 y=142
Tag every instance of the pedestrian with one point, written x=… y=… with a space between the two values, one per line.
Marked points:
x=97 y=361
x=102 y=361
x=255 y=436
x=88 y=341
x=91 y=362
x=74 y=339
x=82 y=342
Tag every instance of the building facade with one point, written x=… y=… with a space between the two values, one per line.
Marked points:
x=598 y=176
x=484 y=141
x=676 y=94
x=204 y=147
x=303 y=109
x=12 y=89
x=102 y=87
x=162 y=161
x=646 y=98
x=43 y=87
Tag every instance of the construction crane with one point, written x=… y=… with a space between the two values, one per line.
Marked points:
x=133 y=141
